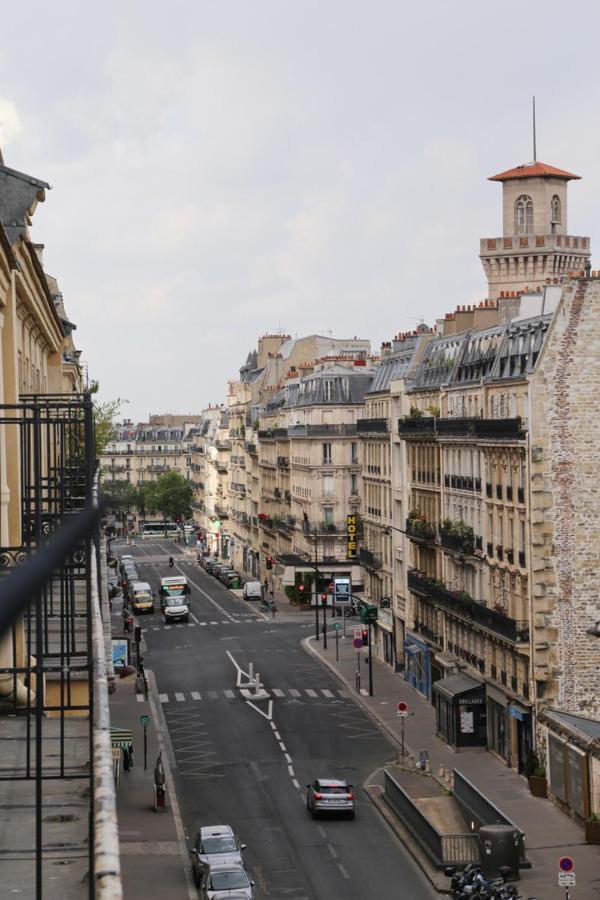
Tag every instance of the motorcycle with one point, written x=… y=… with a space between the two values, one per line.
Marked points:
x=171 y=562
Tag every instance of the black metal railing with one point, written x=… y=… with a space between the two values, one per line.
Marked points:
x=457 y=543
x=369 y=559
x=461 y=604
x=47 y=544
x=420 y=531
x=373 y=426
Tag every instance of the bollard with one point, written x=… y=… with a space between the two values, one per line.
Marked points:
x=257 y=683
x=250 y=672
x=441 y=771
x=428 y=767
x=411 y=761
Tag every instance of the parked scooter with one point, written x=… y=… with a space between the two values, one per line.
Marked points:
x=472 y=883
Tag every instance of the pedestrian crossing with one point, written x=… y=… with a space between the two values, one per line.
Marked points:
x=246 y=620
x=228 y=694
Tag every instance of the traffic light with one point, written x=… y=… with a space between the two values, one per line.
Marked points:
x=324 y=599
x=269 y=562
x=365 y=637
x=300 y=588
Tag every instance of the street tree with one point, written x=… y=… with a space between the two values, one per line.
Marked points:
x=172 y=495
x=104 y=417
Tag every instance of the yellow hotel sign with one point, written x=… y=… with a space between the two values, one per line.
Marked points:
x=351 y=531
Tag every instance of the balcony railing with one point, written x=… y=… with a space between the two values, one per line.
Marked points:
x=461 y=604
x=416 y=426
x=272 y=434
x=321 y=430
x=368 y=559
x=457 y=543
x=372 y=426
x=420 y=531
x=250 y=448
x=428 y=426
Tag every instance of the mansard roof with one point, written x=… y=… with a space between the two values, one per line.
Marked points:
x=19 y=195
x=492 y=354
x=391 y=368
x=334 y=386
x=534 y=170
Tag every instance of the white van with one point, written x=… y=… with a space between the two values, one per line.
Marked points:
x=142 y=598
x=174 y=598
x=253 y=590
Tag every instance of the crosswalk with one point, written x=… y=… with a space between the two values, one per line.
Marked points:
x=228 y=694
x=240 y=620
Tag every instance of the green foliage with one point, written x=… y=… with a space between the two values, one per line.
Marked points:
x=434 y=411
x=415 y=413
x=291 y=592
x=118 y=495
x=172 y=495
x=104 y=417
x=531 y=763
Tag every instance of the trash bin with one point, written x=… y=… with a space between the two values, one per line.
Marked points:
x=500 y=846
x=235 y=583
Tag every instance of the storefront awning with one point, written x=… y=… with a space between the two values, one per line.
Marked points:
x=455 y=685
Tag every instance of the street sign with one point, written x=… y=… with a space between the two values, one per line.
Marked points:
x=566 y=864
x=342 y=591
x=144 y=721
x=566 y=879
x=402 y=709
x=357 y=642
x=337 y=626
x=357 y=631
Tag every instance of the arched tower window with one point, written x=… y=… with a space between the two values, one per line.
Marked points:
x=524 y=215
x=556 y=210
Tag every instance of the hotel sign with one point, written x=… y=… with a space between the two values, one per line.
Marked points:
x=351 y=536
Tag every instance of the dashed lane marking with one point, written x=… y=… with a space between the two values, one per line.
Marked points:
x=196 y=695
x=180 y=698
x=310 y=692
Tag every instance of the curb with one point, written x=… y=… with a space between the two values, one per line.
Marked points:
x=162 y=736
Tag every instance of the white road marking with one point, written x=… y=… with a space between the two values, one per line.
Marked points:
x=213 y=623
x=291 y=771
x=277 y=735
x=194 y=618
x=278 y=692
x=164 y=698
x=295 y=783
x=230 y=694
x=282 y=746
x=326 y=692
x=212 y=695
x=139 y=698
x=267 y=715
x=180 y=698
x=192 y=624
x=321 y=831
x=333 y=851
x=288 y=758
x=343 y=871
x=196 y=695
x=274 y=727
x=310 y=692
x=202 y=623
x=364 y=692
x=155 y=628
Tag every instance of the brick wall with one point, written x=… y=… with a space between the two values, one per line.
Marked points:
x=565 y=504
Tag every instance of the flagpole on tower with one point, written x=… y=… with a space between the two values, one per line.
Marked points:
x=534 y=141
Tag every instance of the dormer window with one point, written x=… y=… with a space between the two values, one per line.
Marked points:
x=524 y=215
x=328 y=388
x=556 y=210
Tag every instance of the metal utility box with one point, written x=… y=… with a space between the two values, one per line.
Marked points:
x=499 y=846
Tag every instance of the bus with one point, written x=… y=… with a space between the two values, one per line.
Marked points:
x=159 y=529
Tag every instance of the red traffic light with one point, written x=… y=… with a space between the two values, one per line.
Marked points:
x=365 y=637
x=323 y=599
x=301 y=588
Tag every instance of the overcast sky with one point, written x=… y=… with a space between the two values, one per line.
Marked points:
x=225 y=169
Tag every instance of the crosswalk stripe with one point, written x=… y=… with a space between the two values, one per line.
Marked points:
x=343 y=693
x=294 y=692
x=192 y=624
x=326 y=692
x=180 y=697
x=155 y=628
x=203 y=623
x=196 y=695
x=164 y=698
x=214 y=623
x=230 y=694
x=139 y=698
x=310 y=692
x=278 y=692
x=212 y=695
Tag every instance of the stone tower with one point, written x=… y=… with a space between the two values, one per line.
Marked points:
x=535 y=243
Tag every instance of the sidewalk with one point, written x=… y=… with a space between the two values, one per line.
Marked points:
x=550 y=833
x=153 y=854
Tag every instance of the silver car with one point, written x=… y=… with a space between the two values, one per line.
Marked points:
x=216 y=845
x=329 y=795
x=226 y=882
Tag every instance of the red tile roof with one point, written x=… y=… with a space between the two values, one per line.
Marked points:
x=533 y=170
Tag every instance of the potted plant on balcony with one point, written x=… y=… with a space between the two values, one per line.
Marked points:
x=592 y=829
x=536 y=774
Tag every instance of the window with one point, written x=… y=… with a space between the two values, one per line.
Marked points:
x=328 y=515
x=524 y=215
x=556 y=210
x=327 y=455
x=354 y=452
x=327 y=485
x=328 y=390
x=354 y=485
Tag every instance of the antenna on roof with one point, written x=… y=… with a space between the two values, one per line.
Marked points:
x=534 y=141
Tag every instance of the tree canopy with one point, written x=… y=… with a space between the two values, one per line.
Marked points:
x=171 y=495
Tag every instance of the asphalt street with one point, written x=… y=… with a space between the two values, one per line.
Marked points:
x=246 y=764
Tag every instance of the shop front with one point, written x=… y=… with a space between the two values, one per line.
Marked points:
x=460 y=711
x=417 y=664
x=385 y=634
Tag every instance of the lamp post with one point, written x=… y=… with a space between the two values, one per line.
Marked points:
x=316 y=587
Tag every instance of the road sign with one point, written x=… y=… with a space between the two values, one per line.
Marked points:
x=337 y=626
x=402 y=709
x=566 y=879
x=357 y=631
x=144 y=721
x=357 y=643
x=566 y=864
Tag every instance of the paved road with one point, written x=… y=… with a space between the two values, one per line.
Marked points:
x=234 y=765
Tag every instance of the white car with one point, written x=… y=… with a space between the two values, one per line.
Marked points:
x=253 y=590
x=226 y=882
x=216 y=845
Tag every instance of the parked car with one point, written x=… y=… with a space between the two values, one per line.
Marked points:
x=329 y=795
x=127 y=557
x=216 y=845
x=220 y=567
x=225 y=573
x=232 y=580
x=252 y=590
x=225 y=883
x=211 y=564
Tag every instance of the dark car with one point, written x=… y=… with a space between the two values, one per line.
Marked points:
x=330 y=795
x=225 y=573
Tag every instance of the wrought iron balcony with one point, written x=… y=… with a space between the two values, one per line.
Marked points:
x=368 y=559
x=272 y=434
x=458 y=543
x=372 y=426
x=420 y=531
x=321 y=430
x=462 y=605
x=416 y=426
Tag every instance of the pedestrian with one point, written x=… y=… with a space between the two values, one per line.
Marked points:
x=273 y=607
x=266 y=586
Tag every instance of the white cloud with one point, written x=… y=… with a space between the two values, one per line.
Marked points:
x=10 y=124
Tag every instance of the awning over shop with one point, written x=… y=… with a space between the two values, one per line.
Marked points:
x=455 y=685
